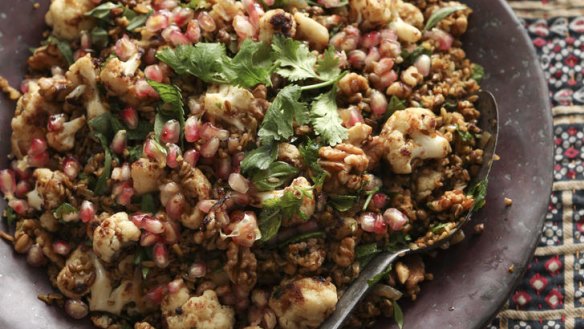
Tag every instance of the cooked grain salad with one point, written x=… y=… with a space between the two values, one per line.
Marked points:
x=226 y=164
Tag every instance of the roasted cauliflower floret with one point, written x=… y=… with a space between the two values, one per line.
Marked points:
x=106 y=299
x=146 y=175
x=304 y=303
x=78 y=275
x=119 y=78
x=82 y=72
x=204 y=312
x=67 y=17
x=411 y=134
x=301 y=188
x=50 y=187
x=229 y=104
x=427 y=181
x=114 y=233
x=372 y=13
x=64 y=140
x=276 y=22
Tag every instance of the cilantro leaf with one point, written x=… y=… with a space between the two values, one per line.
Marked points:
x=294 y=59
x=398 y=315
x=328 y=66
x=478 y=72
x=479 y=193
x=326 y=120
x=64 y=210
x=309 y=153
x=374 y=280
x=252 y=65
x=465 y=136
x=285 y=110
x=441 y=14
x=276 y=175
x=342 y=202
x=260 y=158
x=172 y=108
x=64 y=48
x=275 y=210
x=203 y=60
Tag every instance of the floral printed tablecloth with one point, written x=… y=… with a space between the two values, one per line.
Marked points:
x=551 y=293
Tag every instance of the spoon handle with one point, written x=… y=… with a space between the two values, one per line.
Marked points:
x=358 y=289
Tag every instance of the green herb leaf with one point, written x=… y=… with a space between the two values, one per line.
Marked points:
x=285 y=110
x=277 y=174
x=135 y=153
x=395 y=104
x=251 y=65
x=140 y=132
x=328 y=67
x=99 y=37
x=479 y=193
x=340 y=3
x=198 y=4
x=342 y=203
x=145 y=272
x=309 y=153
x=374 y=280
x=10 y=216
x=294 y=59
x=438 y=227
x=63 y=210
x=103 y=11
x=464 y=135
x=64 y=47
x=203 y=60
x=260 y=158
x=398 y=315
x=398 y=241
x=138 y=21
x=147 y=203
x=478 y=72
x=325 y=118
x=277 y=209
x=370 y=195
x=101 y=184
x=172 y=108
x=410 y=57
x=441 y=14
x=302 y=237
x=366 y=250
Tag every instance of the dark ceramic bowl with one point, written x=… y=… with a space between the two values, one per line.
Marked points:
x=471 y=280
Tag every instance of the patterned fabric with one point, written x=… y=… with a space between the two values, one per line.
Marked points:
x=551 y=294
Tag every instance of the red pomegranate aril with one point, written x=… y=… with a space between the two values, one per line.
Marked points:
x=19 y=206
x=395 y=219
x=356 y=58
x=192 y=157
x=354 y=117
x=372 y=223
x=157 y=22
x=7 y=182
x=210 y=148
x=174 y=36
x=119 y=142
x=157 y=294
x=144 y=90
x=182 y=16
x=238 y=183
x=379 y=200
x=61 y=248
x=236 y=161
x=155 y=151
x=152 y=225
x=254 y=11
x=172 y=153
x=37 y=146
x=22 y=188
x=193 y=129
x=24 y=86
x=175 y=286
x=160 y=255
x=138 y=218
x=87 y=211
x=423 y=64
x=193 y=32
x=125 y=48
x=442 y=38
x=39 y=160
x=197 y=270
x=170 y=132
x=243 y=27
x=387 y=79
x=130 y=117
x=35 y=256
x=377 y=103
x=175 y=207
x=148 y=239
x=209 y=131
x=171 y=232
x=126 y=194
x=223 y=168
x=71 y=167
x=371 y=39
x=56 y=122
x=372 y=57
x=206 y=22
x=153 y=72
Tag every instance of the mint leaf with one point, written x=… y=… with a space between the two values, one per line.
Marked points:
x=138 y=21
x=64 y=48
x=203 y=60
x=325 y=118
x=276 y=175
x=283 y=113
x=260 y=158
x=294 y=59
x=398 y=315
x=441 y=14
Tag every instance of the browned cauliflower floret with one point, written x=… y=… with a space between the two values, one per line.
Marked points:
x=204 y=312
x=372 y=13
x=229 y=104
x=67 y=17
x=78 y=275
x=112 y=234
x=304 y=303
x=50 y=187
x=64 y=140
x=82 y=72
x=427 y=181
x=106 y=299
x=119 y=78
x=194 y=183
x=146 y=175
x=300 y=187
x=274 y=22
x=411 y=134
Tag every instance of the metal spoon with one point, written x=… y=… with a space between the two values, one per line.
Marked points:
x=351 y=297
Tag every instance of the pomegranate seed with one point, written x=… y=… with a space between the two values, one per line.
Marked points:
x=243 y=27
x=372 y=57
x=157 y=294
x=160 y=255
x=175 y=207
x=236 y=161
x=171 y=232
x=372 y=223
x=7 y=182
x=182 y=16
x=152 y=225
x=35 y=256
x=371 y=39
x=254 y=11
x=238 y=183
x=192 y=157
x=354 y=117
x=122 y=173
x=144 y=90
x=356 y=58
x=423 y=64
x=206 y=205
x=19 y=206
x=209 y=131
x=71 y=167
x=192 y=129
x=197 y=270
x=377 y=103
x=125 y=193
x=206 y=22
x=119 y=142
x=175 y=286
x=130 y=117
x=395 y=218
x=150 y=56
x=222 y=168
x=22 y=188
x=387 y=79
x=388 y=35
x=165 y=4
x=379 y=200
x=87 y=211
x=193 y=32
x=210 y=148
x=138 y=219
x=443 y=39
x=170 y=132
x=174 y=36
x=148 y=239
x=24 y=86
x=195 y=106
x=157 y=22
x=173 y=152
x=37 y=146
x=125 y=48
x=153 y=72
x=85 y=40
x=39 y=160
x=61 y=248
x=155 y=151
